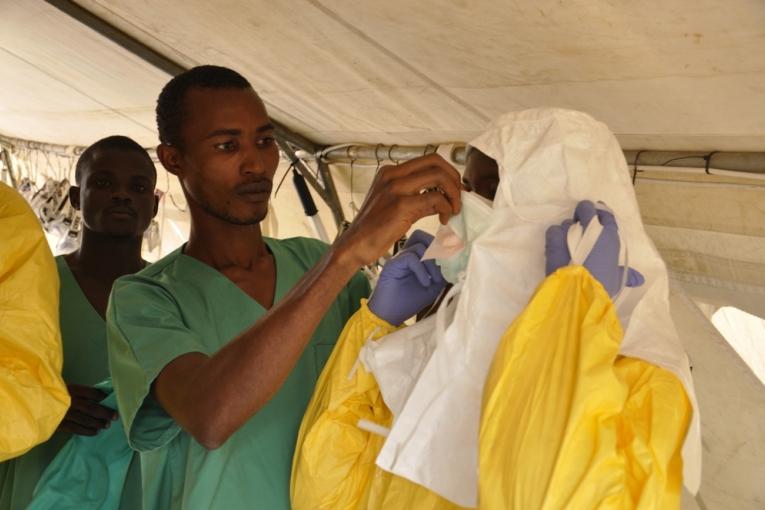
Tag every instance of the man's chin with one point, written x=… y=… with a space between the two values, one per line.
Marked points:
x=241 y=216
x=243 y=222
x=246 y=219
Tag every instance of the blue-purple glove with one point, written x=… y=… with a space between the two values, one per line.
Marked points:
x=407 y=284
x=603 y=260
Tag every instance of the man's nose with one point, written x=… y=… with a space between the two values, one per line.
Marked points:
x=121 y=194
x=252 y=162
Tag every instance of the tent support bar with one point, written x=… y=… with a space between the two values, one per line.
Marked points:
x=378 y=153
x=117 y=36
x=748 y=162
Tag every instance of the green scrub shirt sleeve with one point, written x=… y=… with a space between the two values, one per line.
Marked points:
x=145 y=331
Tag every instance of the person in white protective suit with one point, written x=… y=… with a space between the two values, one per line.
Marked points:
x=431 y=375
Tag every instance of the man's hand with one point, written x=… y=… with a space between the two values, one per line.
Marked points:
x=399 y=196
x=86 y=416
x=603 y=260
x=407 y=284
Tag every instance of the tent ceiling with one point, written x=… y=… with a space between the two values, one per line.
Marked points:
x=679 y=75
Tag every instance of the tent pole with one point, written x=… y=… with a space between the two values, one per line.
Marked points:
x=743 y=162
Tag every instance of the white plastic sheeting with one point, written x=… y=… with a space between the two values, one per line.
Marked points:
x=746 y=334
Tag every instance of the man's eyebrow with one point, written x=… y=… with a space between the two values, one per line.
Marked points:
x=238 y=132
x=224 y=132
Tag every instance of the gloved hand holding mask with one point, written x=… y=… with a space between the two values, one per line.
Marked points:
x=603 y=259
x=407 y=284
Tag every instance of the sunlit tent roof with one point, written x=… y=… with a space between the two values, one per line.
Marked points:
x=684 y=76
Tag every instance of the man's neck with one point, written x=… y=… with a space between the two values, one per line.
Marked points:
x=224 y=245
x=106 y=258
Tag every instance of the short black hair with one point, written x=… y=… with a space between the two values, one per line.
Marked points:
x=170 y=104
x=115 y=142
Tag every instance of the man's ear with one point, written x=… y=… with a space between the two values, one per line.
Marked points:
x=74 y=196
x=170 y=157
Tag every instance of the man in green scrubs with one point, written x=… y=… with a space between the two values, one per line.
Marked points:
x=215 y=349
x=115 y=180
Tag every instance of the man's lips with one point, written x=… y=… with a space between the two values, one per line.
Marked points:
x=255 y=191
x=121 y=211
x=254 y=187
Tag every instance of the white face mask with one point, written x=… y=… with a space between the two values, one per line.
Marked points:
x=451 y=246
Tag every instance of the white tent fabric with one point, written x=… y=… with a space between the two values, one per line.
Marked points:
x=711 y=235
x=677 y=75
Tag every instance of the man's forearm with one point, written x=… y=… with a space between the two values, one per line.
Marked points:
x=212 y=397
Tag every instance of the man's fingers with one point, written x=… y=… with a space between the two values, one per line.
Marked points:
x=415 y=265
x=85 y=420
x=584 y=212
x=418 y=249
x=419 y=237
x=417 y=207
x=86 y=392
x=434 y=271
x=606 y=217
x=74 y=428
x=416 y=164
x=556 y=248
x=428 y=180
x=93 y=409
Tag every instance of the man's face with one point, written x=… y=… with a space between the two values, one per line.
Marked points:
x=229 y=158
x=116 y=193
x=481 y=174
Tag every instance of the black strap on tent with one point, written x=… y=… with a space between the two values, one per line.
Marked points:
x=708 y=160
x=635 y=167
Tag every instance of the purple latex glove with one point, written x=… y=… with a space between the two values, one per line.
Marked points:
x=603 y=260
x=407 y=284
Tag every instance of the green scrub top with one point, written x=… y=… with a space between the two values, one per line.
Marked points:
x=83 y=334
x=181 y=305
